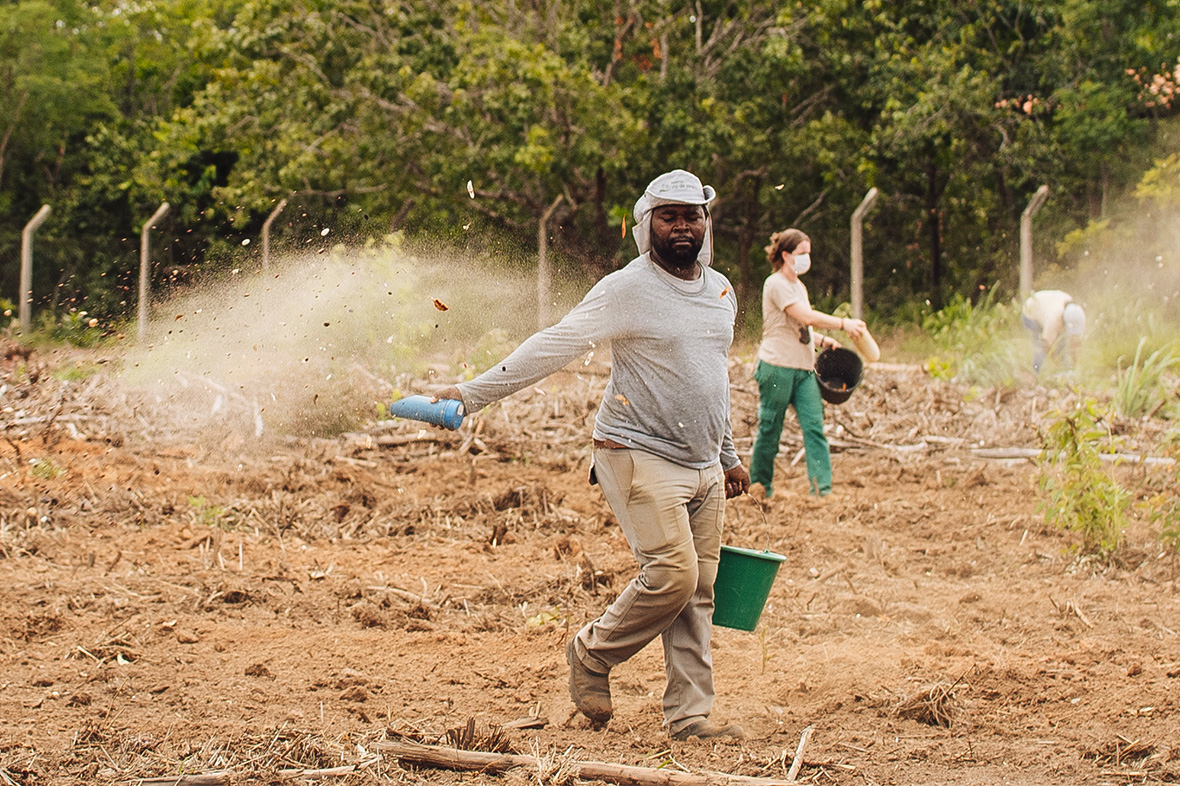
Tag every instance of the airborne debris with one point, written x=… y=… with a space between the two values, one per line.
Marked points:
x=470 y=190
x=441 y=306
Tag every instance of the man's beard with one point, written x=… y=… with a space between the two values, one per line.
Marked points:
x=678 y=256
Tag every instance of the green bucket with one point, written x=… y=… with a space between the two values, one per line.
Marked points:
x=744 y=578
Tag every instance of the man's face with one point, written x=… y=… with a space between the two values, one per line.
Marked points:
x=677 y=233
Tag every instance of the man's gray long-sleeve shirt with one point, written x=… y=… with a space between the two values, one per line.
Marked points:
x=668 y=392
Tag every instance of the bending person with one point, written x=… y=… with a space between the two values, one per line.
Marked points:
x=663 y=448
x=1051 y=314
x=786 y=365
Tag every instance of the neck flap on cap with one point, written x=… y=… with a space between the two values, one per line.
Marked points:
x=677 y=187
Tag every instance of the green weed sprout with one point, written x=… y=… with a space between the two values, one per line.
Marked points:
x=1139 y=389
x=45 y=469
x=1078 y=494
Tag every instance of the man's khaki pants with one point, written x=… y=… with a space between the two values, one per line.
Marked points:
x=672 y=518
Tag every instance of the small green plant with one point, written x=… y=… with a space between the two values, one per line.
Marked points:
x=45 y=469
x=938 y=368
x=205 y=514
x=1079 y=495
x=1140 y=389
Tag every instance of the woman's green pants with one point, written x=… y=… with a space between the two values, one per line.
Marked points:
x=780 y=388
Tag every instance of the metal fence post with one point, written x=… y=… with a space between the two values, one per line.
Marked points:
x=1026 y=261
x=26 y=269
x=145 y=267
x=266 y=232
x=858 y=267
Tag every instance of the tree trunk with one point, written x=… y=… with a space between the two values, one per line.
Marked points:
x=746 y=286
x=935 y=235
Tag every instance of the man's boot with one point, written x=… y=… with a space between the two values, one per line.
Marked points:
x=589 y=690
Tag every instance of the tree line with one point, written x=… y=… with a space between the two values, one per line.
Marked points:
x=373 y=116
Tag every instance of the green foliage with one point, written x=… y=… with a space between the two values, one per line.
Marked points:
x=1078 y=494
x=1140 y=387
x=1162 y=181
x=77 y=328
x=1083 y=238
x=372 y=117
x=975 y=343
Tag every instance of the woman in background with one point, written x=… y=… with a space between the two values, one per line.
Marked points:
x=786 y=365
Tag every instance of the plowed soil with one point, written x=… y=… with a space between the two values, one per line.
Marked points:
x=213 y=601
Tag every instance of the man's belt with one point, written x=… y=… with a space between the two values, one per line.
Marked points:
x=610 y=444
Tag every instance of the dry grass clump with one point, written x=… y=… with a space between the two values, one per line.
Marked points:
x=470 y=737
x=555 y=769
x=1120 y=751
x=936 y=705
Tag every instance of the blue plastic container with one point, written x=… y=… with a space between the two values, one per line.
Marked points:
x=445 y=412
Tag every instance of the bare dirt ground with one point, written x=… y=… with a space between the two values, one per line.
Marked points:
x=178 y=603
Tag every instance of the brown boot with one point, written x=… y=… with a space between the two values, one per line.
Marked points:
x=708 y=730
x=589 y=690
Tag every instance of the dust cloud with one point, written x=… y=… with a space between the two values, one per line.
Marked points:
x=1125 y=272
x=321 y=343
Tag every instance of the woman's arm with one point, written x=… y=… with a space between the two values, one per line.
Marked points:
x=818 y=319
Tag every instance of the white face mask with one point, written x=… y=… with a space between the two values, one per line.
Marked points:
x=801 y=263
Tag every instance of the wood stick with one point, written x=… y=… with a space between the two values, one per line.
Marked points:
x=227 y=777
x=390 y=441
x=453 y=759
x=220 y=778
x=1031 y=453
x=797 y=762
x=405 y=595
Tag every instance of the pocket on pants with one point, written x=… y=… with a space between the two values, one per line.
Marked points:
x=614 y=469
